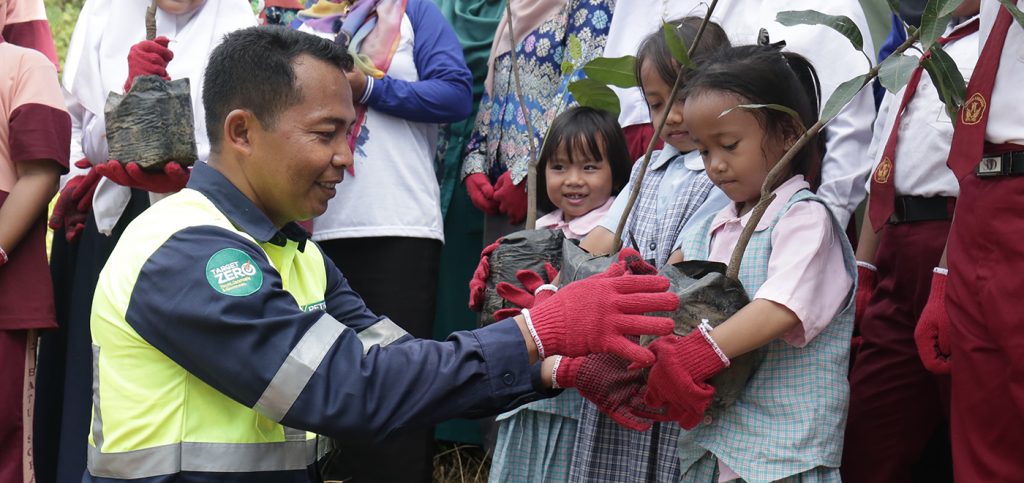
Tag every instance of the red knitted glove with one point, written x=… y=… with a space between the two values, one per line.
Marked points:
x=679 y=377
x=635 y=262
x=75 y=201
x=511 y=198
x=607 y=381
x=531 y=282
x=478 y=283
x=932 y=331
x=597 y=314
x=481 y=193
x=149 y=57
x=866 y=281
x=173 y=178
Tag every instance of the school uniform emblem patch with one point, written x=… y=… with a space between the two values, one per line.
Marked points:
x=233 y=272
x=973 y=109
x=883 y=171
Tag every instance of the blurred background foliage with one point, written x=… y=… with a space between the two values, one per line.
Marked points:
x=62 y=15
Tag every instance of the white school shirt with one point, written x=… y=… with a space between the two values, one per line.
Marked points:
x=394 y=191
x=845 y=168
x=1005 y=124
x=925 y=130
x=679 y=170
x=97 y=65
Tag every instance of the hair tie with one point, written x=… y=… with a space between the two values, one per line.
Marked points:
x=762 y=40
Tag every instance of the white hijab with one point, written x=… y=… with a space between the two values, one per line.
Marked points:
x=97 y=64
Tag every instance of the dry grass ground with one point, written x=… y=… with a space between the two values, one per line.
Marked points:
x=461 y=463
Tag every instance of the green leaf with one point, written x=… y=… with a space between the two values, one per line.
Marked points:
x=617 y=71
x=839 y=23
x=895 y=71
x=947 y=79
x=591 y=93
x=575 y=49
x=841 y=97
x=948 y=7
x=935 y=19
x=1012 y=7
x=778 y=107
x=894 y=6
x=568 y=67
x=677 y=46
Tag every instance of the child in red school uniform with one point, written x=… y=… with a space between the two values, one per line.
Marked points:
x=35 y=132
x=798 y=270
x=981 y=342
x=897 y=428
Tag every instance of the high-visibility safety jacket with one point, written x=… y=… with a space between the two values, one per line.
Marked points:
x=222 y=346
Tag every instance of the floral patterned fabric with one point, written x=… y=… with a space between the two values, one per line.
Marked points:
x=500 y=141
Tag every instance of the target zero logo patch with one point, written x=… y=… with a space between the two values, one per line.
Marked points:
x=233 y=272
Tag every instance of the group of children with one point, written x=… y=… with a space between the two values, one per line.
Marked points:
x=722 y=136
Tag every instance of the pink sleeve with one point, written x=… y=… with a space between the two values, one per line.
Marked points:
x=39 y=125
x=806 y=273
x=26 y=25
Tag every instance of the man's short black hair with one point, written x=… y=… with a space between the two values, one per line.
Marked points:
x=252 y=70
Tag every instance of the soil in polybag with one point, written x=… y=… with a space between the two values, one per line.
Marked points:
x=152 y=124
x=522 y=250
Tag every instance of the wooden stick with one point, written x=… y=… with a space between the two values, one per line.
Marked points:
x=151 y=21
x=531 y=172
x=617 y=240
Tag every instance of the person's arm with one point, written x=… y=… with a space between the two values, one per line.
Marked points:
x=807 y=285
x=475 y=160
x=39 y=133
x=27 y=200
x=444 y=91
x=867 y=244
x=310 y=369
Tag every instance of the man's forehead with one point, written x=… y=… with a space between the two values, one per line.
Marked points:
x=324 y=89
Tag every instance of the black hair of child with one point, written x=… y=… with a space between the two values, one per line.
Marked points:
x=654 y=48
x=765 y=75
x=583 y=128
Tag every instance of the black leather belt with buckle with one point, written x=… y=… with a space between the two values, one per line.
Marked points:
x=1006 y=164
x=919 y=208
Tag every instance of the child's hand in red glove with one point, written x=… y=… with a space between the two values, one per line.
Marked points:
x=600 y=313
x=149 y=57
x=75 y=201
x=478 y=283
x=536 y=290
x=173 y=178
x=679 y=377
x=866 y=281
x=481 y=193
x=511 y=198
x=932 y=331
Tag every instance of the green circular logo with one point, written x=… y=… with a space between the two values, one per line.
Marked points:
x=233 y=272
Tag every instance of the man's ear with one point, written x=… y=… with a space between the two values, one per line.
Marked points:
x=239 y=126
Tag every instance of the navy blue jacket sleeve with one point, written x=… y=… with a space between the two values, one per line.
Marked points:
x=444 y=91
x=241 y=345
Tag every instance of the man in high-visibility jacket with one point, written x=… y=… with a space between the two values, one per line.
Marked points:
x=224 y=341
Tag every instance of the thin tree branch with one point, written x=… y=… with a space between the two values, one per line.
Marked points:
x=657 y=133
